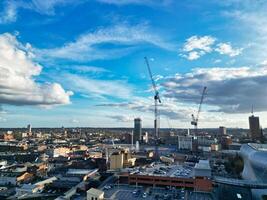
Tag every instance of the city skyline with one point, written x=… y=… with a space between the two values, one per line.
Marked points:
x=70 y=63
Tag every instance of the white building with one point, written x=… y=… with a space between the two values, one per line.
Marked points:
x=95 y=194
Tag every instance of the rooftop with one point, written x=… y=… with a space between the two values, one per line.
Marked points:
x=95 y=192
x=164 y=170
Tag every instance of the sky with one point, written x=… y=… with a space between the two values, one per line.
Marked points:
x=81 y=63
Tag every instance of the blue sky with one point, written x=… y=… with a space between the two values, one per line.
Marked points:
x=81 y=63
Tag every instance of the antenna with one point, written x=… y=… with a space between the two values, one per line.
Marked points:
x=252 y=110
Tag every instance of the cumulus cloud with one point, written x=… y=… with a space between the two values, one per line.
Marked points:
x=124 y=38
x=199 y=43
x=197 y=46
x=193 y=55
x=230 y=90
x=17 y=77
x=227 y=49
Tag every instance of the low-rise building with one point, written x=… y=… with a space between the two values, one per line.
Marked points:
x=95 y=194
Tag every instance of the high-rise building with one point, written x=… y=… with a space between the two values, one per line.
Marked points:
x=222 y=130
x=137 y=133
x=29 y=127
x=254 y=126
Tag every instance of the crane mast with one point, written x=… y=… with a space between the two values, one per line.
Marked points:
x=194 y=121
x=156 y=114
x=156 y=101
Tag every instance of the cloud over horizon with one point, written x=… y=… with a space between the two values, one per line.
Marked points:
x=18 y=72
x=231 y=90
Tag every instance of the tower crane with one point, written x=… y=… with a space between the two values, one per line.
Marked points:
x=156 y=100
x=194 y=121
x=156 y=114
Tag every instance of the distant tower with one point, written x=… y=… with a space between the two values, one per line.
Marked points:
x=137 y=133
x=29 y=127
x=254 y=126
x=222 y=130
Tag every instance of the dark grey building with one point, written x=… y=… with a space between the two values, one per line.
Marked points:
x=137 y=133
x=222 y=130
x=254 y=126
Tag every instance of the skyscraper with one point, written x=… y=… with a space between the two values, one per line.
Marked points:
x=29 y=127
x=137 y=134
x=222 y=130
x=254 y=126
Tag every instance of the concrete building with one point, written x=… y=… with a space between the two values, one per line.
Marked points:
x=61 y=151
x=8 y=136
x=254 y=126
x=121 y=159
x=128 y=137
x=116 y=160
x=185 y=142
x=95 y=194
x=172 y=176
x=202 y=169
x=222 y=131
x=137 y=133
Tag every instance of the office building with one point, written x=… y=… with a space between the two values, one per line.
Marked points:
x=254 y=126
x=29 y=127
x=137 y=133
x=222 y=130
x=121 y=159
x=185 y=142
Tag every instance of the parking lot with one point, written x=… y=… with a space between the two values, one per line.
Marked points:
x=123 y=192
x=200 y=196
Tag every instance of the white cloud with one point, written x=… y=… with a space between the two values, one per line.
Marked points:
x=197 y=46
x=11 y=8
x=98 y=88
x=193 y=55
x=17 y=77
x=85 y=47
x=9 y=14
x=199 y=43
x=227 y=49
x=248 y=18
x=87 y=69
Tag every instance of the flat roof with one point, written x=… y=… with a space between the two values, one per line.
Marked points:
x=203 y=164
x=95 y=192
x=178 y=171
x=81 y=171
